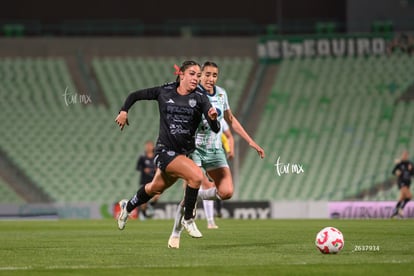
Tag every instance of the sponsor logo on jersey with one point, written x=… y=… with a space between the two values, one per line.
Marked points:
x=218 y=111
x=170 y=101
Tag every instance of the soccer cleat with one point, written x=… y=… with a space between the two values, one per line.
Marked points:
x=174 y=242
x=123 y=215
x=394 y=213
x=191 y=228
x=397 y=213
x=212 y=226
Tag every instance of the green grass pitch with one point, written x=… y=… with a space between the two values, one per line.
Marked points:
x=238 y=247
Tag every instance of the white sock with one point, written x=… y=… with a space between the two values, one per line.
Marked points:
x=179 y=213
x=208 y=194
x=209 y=210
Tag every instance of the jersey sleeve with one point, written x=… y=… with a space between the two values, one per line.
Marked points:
x=206 y=105
x=396 y=167
x=144 y=94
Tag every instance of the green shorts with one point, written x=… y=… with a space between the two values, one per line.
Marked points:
x=210 y=160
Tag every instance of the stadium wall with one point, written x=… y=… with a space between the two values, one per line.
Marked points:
x=119 y=46
x=230 y=210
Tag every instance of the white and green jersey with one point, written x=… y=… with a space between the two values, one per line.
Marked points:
x=206 y=139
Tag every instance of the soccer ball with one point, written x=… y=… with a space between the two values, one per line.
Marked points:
x=329 y=240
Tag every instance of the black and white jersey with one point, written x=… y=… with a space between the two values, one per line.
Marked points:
x=407 y=170
x=144 y=162
x=180 y=115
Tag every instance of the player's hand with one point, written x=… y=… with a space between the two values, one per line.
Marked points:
x=259 y=150
x=122 y=119
x=212 y=113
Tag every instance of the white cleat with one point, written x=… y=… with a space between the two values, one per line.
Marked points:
x=212 y=226
x=191 y=228
x=123 y=215
x=174 y=242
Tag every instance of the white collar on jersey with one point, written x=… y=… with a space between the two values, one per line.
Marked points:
x=205 y=90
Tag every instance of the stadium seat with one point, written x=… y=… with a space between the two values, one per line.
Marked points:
x=337 y=116
x=76 y=152
x=7 y=195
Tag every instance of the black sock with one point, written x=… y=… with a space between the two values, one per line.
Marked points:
x=190 y=199
x=397 y=207
x=219 y=204
x=140 y=198
x=399 y=203
x=404 y=202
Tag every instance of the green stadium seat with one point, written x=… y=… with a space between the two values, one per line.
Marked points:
x=77 y=153
x=353 y=128
x=7 y=195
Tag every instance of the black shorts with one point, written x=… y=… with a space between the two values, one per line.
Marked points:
x=402 y=183
x=163 y=158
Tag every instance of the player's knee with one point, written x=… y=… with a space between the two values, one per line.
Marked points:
x=153 y=189
x=225 y=194
x=195 y=179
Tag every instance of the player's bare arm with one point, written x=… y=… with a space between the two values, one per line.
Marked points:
x=230 y=139
x=238 y=128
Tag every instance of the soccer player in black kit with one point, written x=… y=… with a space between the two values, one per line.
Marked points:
x=404 y=170
x=181 y=106
x=146 y=167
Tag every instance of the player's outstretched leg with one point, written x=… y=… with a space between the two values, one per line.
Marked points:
x=127 y=206
x=209 y=211
x=397 y=209
x=190 y=201
x=401 y=211
x=174 y=240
